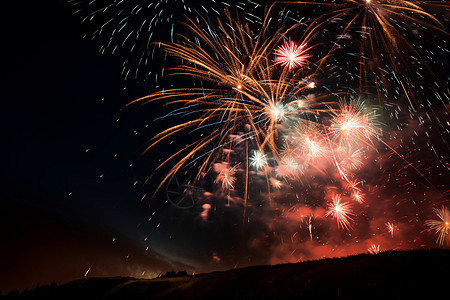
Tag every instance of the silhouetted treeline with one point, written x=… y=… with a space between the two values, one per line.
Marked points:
x=38 y=290
x=173 y=274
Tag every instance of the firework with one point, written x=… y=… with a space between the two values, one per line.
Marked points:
x=390 y=228
x=291 y=55
x=358 y=196
x=353 y=125
x=242 y=96
x=372 y=32
x=441 y=226
x=341 y=211
x=274 y=125
x=350 y=158
x=309 y=141
x=374 y=249
x=227 y=177
x=258 y=160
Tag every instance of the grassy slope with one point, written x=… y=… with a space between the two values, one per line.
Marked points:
x=391 y=275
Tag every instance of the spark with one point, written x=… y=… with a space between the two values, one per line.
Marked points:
x=136 y=27
x=277 y=112
x=352 y=159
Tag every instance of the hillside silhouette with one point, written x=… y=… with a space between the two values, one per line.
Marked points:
x=387 y=275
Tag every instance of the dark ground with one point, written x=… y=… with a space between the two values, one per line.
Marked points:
x=388 y=275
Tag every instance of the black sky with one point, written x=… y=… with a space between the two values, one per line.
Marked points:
x=68 y=199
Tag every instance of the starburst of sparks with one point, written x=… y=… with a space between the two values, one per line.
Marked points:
x=291 y=55
x=441 y=226
x=258 y=160
x=353 y=125
x=227 y=178
x=390 y=228
x=341 y=211
x=374 y=249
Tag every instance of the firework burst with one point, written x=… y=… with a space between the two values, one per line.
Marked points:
x=250 y=120
x=245 y=97
x=353 y=125
x=258 y=160
x=441 y=226
x=227 y=177
x=341 y=211
x=291 y=55
x=390 y=228
x=374 y=249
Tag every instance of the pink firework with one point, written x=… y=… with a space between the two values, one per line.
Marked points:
x=309 y=141
x=358 y=196
x=291 y=55
x=341 y=211
x=351 y=158
x=227 y=177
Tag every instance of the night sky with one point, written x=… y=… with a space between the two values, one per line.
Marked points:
x=69 y=202
x=73 y=198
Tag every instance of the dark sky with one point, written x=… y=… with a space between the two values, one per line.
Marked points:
x=73 y=202
x=67 y=188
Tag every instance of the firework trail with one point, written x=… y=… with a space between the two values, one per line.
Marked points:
x=135 y=28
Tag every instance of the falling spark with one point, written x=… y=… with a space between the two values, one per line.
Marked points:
x=87 y=272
